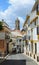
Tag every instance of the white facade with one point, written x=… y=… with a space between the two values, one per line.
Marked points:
x=32 y=15
x=32 y=49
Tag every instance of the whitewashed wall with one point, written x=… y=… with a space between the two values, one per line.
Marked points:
x=32 y=15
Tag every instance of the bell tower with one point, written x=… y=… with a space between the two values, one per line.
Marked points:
x=17 y=24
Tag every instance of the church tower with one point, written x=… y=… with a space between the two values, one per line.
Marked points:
x=17 y=24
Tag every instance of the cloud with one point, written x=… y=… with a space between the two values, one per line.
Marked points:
x=18 y=8
x=22 y=2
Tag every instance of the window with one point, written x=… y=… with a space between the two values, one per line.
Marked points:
x=20 y=40
x=24 y=37
x=31 y=31
x=28 y=25
x=37 y=30
x=35 y=22
x=29 y=37
x=29 y=47
x=32 y=46
x=26 y=42
x=37 y=8
x=35 y=48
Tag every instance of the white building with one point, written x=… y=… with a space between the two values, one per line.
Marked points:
x=31 y=27
x=16 y=36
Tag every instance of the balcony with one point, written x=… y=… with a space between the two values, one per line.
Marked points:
x=27 y=37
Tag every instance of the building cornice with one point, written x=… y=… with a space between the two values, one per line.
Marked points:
x=26 y=20
x=34 y=19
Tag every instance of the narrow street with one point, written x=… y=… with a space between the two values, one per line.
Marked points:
x=18 y=59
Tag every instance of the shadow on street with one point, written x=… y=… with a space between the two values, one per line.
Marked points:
x=13 y=62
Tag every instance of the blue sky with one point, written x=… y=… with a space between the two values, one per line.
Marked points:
x=11 y=9
x=4 y=4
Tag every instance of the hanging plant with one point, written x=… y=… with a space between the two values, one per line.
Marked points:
x=1 y=27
